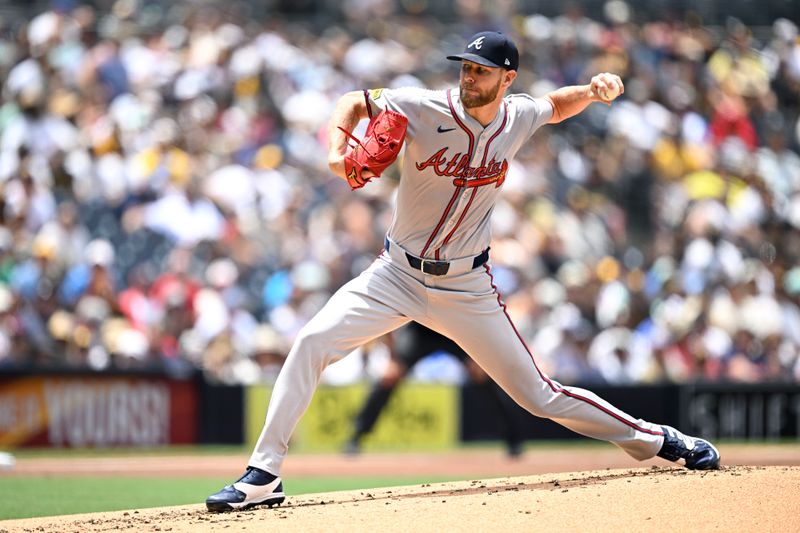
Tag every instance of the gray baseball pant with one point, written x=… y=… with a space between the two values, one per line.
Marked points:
x=463 y=305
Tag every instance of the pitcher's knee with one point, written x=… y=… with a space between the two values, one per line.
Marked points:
x=322 y=344
x=536 y=410
x=310 y=344
x=532 y=403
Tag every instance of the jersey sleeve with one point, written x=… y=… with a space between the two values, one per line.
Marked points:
x=407 y=101
x=532 y=112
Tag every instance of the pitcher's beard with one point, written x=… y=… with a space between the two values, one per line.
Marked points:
x=470 y=100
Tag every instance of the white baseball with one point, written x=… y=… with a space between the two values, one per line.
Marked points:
x=609 y=93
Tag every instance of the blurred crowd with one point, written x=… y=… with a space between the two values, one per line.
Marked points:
x=165 y=199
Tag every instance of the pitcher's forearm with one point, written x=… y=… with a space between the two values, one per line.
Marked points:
x=349 y=110
x=570 y=101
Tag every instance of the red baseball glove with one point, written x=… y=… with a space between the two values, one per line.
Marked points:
x=379 y=148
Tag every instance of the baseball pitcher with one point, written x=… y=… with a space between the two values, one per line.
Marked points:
x=435 y=267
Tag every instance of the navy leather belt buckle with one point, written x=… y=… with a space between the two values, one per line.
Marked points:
x=435 y=268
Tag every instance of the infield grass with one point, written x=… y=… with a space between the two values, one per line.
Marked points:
x=57 y=495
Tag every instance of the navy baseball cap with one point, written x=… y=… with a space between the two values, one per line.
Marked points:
x=490 y=49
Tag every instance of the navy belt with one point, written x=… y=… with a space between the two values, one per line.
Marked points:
x=437 y=268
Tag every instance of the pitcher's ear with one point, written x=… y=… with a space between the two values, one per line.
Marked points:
x=510 y=76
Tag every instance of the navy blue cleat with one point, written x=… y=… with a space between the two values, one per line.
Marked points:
x=692 y=452
x=255 y=487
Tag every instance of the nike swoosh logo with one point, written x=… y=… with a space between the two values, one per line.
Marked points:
x=444 y=130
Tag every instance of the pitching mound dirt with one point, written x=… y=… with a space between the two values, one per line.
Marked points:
x=737 y=498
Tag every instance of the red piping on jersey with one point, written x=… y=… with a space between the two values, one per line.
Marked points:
x=554 y=386
x=475 y=190
x=458 y=121
x=494 y=136
x=441 y=221
x=463 y=214
x=458 y=189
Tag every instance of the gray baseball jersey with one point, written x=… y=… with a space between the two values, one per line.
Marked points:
x=452 y=172
x=453 y=167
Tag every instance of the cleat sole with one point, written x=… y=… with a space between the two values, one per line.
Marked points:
x=223 y=507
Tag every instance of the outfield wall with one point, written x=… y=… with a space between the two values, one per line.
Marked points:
x=144 y=409
x=419 y=416
x=97 y=410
